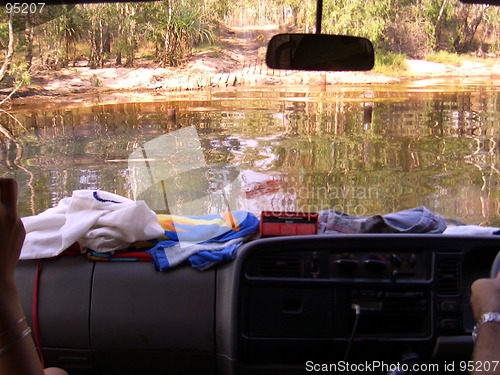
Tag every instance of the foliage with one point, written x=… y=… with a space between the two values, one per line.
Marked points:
x=21 y=74
x=174 y=27
x=444 y=57
x=244 y=12
x=358 y=17
x=211 y=49
x=490 y=36
x=69 y=29
x=414 y=28
x=390 y=63
x=95 y=81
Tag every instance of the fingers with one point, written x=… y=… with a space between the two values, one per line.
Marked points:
x=8 y=194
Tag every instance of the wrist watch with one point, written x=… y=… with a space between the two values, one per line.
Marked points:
x=485 y=318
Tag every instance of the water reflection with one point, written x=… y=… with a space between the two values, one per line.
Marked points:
x=362 y=151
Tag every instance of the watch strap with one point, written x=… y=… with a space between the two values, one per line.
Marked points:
x=485 y=318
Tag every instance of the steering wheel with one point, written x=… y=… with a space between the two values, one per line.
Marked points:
x=495 y=267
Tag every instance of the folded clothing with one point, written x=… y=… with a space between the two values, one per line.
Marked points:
x=97 y=220
x=204 y=240
x=415 y=220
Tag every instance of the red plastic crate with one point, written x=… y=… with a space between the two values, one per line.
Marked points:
x=274 y=223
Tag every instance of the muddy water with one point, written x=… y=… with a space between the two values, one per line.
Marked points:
x=362 y=150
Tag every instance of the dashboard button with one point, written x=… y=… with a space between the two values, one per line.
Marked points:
x=449 y=324
x=449 y=306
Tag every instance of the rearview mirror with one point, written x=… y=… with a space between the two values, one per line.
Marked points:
x=319 y=52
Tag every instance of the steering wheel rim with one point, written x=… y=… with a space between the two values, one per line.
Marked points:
x=495 y=267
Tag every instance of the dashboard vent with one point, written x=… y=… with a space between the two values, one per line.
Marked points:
x=280 y=266
x=448 y=278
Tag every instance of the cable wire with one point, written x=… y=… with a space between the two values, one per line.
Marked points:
x=357 y=309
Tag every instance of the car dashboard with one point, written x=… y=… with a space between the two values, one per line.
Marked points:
x=284 y=305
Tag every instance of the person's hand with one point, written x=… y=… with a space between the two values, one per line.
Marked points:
x=19 y=356
x=12 y=231
x=485 y=296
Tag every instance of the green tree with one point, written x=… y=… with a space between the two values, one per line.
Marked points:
x=10 y=48
x=358 y=17
x=96 y=13
x=490 y=38
x=175 y=26
x=126 y=29
x=469 y=18
x=70 y=26
x=437 y=13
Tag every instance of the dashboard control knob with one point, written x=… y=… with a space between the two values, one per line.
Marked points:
x=347 y=264
x=412 y=260
x=375 y=262
x=396 y=260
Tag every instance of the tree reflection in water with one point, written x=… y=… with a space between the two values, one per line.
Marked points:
x=358 y=150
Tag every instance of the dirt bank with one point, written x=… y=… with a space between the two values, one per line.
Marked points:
x=238 y=61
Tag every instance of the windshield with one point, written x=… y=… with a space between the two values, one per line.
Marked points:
x=172 y=103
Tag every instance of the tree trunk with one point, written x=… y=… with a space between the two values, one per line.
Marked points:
x=121 y=13
x=96 y=43
x=118 y=61
x=473 y=15
x=101 y=43
x=10 y=50
x=93 y=45
x=131 y=44
x=438 y=28
x=107 y=40
x=65 y=53
x=30 y=34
